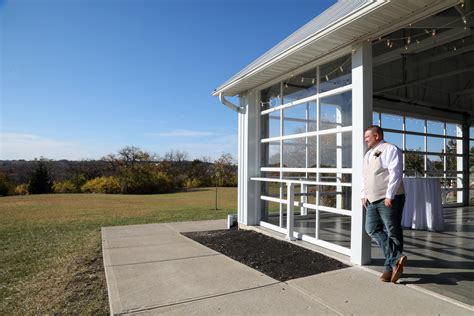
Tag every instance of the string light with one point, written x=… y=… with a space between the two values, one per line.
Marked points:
x=412 y=39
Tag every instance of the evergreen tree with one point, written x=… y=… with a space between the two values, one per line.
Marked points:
x=40 y=182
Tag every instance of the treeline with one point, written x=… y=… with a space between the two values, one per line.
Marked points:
x=129 y=171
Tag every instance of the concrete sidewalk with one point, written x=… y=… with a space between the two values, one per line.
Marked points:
x=153 y=269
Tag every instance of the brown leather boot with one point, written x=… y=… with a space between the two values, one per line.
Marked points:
x=386 y=276
x=398 y=270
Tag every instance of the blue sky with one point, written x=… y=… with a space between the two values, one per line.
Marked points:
x=81 y=79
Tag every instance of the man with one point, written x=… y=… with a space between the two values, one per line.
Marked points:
x=383 y=197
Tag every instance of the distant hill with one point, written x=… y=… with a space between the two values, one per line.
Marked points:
x=20 y=171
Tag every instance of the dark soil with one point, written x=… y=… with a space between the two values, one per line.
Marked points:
x=278 y=259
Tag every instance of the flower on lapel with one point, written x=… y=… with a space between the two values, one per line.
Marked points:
x=377 y=154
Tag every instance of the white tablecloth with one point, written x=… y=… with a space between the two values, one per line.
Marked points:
x=423 y=209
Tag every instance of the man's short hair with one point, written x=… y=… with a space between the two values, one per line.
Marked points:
x=375 y=129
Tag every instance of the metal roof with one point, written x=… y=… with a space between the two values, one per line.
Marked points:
x=344 y=23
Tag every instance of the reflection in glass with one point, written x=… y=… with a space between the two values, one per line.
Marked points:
x=295 y=118
x=336 y=111
x=415 y=125
x=294 y=153
x=270 y=97
x=414 y=164
x=347 y=150
x=434 y=163
x=452 y=129
x=327 y=151
x=434 y=127
x=272 y=153
x=273 y=124
x=435 y=144
x=394 y=138
x=392 y=121
x=375 y=118
x=336 y=74
x=414 y=142
x=300 y=86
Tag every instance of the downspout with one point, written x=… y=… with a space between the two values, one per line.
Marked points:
x=230 y=105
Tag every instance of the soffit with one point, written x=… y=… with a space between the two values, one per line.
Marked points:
x=343 y=24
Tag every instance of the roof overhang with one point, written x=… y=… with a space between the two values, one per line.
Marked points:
x=345 y=23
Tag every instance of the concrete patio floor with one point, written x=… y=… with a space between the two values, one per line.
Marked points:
x=153 y=269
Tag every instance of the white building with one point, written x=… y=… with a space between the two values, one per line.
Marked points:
x=406 y=65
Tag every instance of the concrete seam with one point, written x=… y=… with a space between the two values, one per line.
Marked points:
x=138 y=236
x=314 y=298
x=198 y=298
x=148 y=245
x=165 y=260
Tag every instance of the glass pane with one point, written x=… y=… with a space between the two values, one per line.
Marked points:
x=471 y=188
x=415 y=142
x=471 y=147
x=452 y=164
x=336 y=111
x=327 y=195
x=434 y=163
x=299 y=87
x=415 y=125
x=272 y=211
x=297 y=151
x=452 y=197
x=295 y=121
x=434 y=127
x=452 y=130
x=414 y=163
x=273 y=125
x=375 y=118
x=451 y=145
x=336 y=74
x=336 y=229
x=435 y=144
x=271 y=154
x=347 y=150
x=327 y=151
x=394 y=138
x=271 y=97
x=392 y=121
x=471 y=132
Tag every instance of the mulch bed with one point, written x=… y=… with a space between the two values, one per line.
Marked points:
x=276 y=258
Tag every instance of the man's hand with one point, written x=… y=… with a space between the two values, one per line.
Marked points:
x=364 y=202
x=388 y=202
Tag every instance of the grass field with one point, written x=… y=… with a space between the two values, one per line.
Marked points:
x=50 y=247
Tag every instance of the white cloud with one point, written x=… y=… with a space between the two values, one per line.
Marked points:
x=182 y=133
x=15 y=146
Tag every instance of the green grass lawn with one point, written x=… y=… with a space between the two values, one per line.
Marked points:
x=50 y=246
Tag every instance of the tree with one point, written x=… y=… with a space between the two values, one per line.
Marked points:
x=6 y=186
x=138 y=172
x=40 y=181
x=224 y=171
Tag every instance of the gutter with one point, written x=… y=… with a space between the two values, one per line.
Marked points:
x=230 y=105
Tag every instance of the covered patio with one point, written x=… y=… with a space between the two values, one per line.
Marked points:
x=404 y=65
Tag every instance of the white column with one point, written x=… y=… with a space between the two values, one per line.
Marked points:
x=467 y=148
x=459 y=163
x=249 y=160
x=361 y=118
x=290 y=208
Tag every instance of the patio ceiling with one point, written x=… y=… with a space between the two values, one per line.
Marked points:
x=343 y=24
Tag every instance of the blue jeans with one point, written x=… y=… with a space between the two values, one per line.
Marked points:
x=384 y=225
